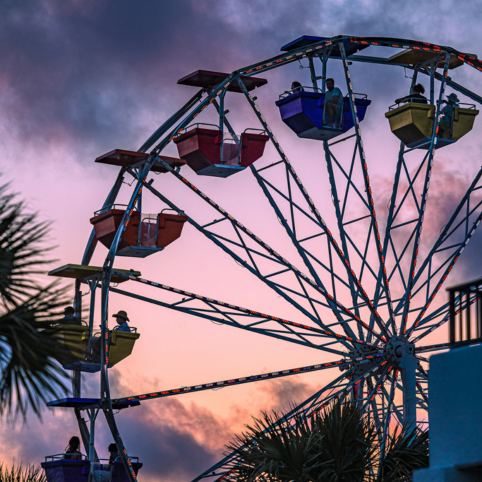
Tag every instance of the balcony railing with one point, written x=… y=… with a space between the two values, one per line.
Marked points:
x=465 y=310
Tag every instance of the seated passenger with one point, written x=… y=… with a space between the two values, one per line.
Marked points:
x=69 y=317
x=94 y=347
x=333 y=107
x=72 y=451
x=447 y=121
x=296 y=87
x=122 y=319
x=416 y=96
x=102 y=472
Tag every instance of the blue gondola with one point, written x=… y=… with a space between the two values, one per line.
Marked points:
x=302 y=112
x=61 y=467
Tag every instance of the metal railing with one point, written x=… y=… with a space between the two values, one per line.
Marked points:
x=465 y=311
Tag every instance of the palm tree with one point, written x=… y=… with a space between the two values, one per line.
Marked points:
x=22 y=473
x=338 y=444
x=29 y=342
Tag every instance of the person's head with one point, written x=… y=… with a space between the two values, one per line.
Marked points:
x=121 y=317
x=74 y=444
x=452 y=98
x=69 y=311
x=330 y=84
x=295 y=85
x=112 y=448
x=418 y=89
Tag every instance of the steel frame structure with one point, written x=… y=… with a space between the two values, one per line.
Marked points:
x=375 y=288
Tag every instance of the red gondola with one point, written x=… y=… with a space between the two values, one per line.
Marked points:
x=201 y=148
x=142 y=236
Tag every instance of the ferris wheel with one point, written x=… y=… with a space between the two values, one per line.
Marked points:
x=365 y=295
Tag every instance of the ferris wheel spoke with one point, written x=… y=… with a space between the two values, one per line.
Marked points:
x=228 y=464
x=455 y=258
x=355 y=284
x=341 y=323
x=430 y=161
x=345 y=237
x=423 y=401
x=243 y=380
x=442 y=244
x=446 y=318
x=378 y=385
x=445 y=244
x=109 y=416
x=396 y=410
x=397 y=265
x=366 y=179
x=255 y=238
x=350 y=184
x=250 y=317
x=430 y=322
x=218 y=240
x=388 y=413
x=351 y=383
x=440 y=346
x=301 y=337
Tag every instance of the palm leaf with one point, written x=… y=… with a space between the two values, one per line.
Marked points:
x=20 y=251
x=22 y=473
x=407 y=450
x=29 y=342
x=334 y=445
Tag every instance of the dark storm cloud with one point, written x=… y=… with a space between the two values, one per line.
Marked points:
x=84 y=74
x=176 y=439
x=179 y=439
x=87 y=72
x=168 y=449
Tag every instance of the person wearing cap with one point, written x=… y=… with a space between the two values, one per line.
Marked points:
x=94 y=347
x=447 y=121
x=121 y=318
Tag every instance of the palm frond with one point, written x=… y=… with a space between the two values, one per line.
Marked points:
x=29 y=346
x=338 y=444
x=277 y=451
x=333 y=445
x=20 y=251
x=408 y=450
x=21 y=473
x=29 y=341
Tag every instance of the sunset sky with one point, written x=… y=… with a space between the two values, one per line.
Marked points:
x=81 y=77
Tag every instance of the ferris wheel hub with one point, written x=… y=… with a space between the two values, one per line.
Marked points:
x=396 y=349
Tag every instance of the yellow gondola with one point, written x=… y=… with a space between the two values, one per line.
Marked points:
x=412 y=123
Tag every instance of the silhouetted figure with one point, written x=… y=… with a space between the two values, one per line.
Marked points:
x=446 y=124
x=94 y=347
x=333 y=106
x=416 y=96
x=72 y=451
x=296 y=87
x=69 y=317
x=103 y=473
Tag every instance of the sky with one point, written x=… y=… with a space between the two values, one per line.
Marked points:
x=80 y=78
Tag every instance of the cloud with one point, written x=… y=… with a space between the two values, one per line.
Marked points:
x=178 y=439
x=81 y=77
